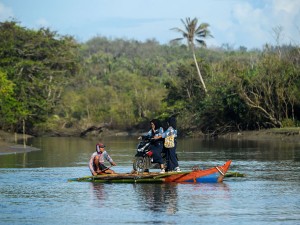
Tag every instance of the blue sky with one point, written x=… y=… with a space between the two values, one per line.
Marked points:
x=248 y=23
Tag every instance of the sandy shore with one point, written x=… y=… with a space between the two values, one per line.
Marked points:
x=9 y=148
x=8 y=144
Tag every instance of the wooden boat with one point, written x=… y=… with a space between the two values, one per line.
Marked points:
x=211 y=175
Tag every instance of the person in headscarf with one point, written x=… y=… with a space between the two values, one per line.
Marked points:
x=171 y=157
x=156 y=145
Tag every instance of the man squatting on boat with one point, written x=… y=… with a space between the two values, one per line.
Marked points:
x=96 y=163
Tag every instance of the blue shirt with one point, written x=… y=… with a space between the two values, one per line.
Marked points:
x=170 y=131
x=158 y=132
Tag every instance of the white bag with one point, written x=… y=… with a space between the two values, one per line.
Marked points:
x=169 y=142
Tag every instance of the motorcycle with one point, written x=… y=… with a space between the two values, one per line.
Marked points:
x=143 y=160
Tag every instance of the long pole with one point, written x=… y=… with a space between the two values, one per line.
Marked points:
x=24 y=141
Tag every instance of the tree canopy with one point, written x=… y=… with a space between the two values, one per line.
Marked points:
x=39 y=64
x=52 y=82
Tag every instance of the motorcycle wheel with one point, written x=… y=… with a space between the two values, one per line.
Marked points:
x=139 y=163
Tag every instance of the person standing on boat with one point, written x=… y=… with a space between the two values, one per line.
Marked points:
x=156 y=145
x=171 y=157
x=96 y=163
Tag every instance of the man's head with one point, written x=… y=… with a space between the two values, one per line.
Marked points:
x=100 y=147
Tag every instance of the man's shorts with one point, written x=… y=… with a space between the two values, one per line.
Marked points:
x=101 y=167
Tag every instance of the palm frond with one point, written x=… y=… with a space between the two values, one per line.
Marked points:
x=176 y=40
x=186 y=23
x=203 y=31
x=201 y=42
x=178 y=30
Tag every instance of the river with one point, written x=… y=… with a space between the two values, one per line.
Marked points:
x=34 y=187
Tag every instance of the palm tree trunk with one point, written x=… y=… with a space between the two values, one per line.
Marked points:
x=198 y=70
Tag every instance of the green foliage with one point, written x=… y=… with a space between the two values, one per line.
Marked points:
x=7 y=102
x=52 y=83
x=40 y=63
x=270 y=89
x=288 y=123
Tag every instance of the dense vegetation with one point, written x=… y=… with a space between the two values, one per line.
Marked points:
x=50 y=82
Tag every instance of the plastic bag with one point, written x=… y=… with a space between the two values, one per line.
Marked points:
x=169 y=142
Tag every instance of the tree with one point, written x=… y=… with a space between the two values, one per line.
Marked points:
x=271 y=89
x=193 y=33
x=8 y=104
x=40 y=64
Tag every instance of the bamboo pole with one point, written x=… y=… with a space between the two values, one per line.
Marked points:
x=234 y=174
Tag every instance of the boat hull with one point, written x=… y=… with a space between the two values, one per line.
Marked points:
x=211 y=175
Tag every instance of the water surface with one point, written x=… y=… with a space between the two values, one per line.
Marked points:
x=34 y=187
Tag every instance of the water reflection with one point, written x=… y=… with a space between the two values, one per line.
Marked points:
x=73 y=152
x=98 y=191
x=297 y=155
x=158 y=197
x=162 y=198
x=262 y=150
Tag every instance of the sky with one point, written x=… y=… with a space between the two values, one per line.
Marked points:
x=235 y=23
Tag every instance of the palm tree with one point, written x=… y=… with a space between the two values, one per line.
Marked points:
x=192 y=33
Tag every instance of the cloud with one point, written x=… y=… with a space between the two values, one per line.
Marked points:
x=252 y=25
x=42 y=22
x=6 y=13
x=247 y=23
x=286 y=14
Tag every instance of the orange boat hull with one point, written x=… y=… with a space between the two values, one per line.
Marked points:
x=211 y=175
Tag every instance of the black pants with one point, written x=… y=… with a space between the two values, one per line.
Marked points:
x=156 y=149
x=171 y=158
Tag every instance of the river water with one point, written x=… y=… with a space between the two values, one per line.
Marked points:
x=34 y=187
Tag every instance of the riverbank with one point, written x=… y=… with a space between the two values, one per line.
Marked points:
x=290 y=134
x=8 y=141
